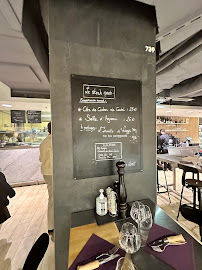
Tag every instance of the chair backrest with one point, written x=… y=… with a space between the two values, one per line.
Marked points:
x=5 y=191
x=187 y=168
x=37 y=252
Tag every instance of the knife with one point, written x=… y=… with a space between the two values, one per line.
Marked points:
x=95 y=264
x=161 y=244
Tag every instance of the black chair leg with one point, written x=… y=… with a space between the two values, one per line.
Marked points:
x=180 y=202
x=157 y=181
x=200 y=231
x=194 y=197
x=167 y=186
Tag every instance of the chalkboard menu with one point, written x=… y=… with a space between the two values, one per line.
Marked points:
x=34 y=116
x=106 y=125
x=18 y=116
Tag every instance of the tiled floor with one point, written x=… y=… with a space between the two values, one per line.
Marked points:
x=29 y=220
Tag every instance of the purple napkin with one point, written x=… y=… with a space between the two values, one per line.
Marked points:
x=179 y=257
x=93 y=248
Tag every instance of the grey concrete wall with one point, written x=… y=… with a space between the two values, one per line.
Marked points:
x=104 y=39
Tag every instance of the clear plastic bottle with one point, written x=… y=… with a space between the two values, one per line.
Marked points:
x=101 y=204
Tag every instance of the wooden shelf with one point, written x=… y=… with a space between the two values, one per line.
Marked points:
x=172 y=123
x=174 y=130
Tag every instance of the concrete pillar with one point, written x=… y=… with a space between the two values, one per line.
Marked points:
x=104 y=39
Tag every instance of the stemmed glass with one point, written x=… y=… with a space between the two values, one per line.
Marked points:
x=125 y=264
x=137 y=212
x=129 y=239
x=142 y=215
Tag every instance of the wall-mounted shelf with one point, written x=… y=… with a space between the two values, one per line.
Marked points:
x=172 y=123
x=174 y=130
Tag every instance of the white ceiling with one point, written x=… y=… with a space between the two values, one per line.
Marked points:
x=178 y=21
x=182 y=111
x=22 y=103
x=19 y=67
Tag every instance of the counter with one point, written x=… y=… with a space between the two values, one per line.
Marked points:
x=21 y=165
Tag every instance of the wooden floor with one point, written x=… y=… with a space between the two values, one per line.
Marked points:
x=29 y=220
x=172 y=208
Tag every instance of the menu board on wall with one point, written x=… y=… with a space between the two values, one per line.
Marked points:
x=106 y=125
x=18 y=116
x=34 y=116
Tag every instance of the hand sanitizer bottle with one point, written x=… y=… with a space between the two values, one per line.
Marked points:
x=101 y=204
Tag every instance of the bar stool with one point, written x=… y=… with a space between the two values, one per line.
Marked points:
x=160 y=168
x=189 y=183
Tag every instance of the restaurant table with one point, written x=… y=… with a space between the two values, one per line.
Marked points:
x=142 y=259
x=174 y=161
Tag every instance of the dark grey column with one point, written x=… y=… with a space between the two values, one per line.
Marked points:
x=104 y=39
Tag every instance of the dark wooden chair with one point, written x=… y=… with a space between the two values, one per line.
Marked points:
x=192 y=214
x=191 y=183
x=5 y=192
x=37 y=252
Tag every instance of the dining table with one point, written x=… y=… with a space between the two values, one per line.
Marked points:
x=84 y=225
x=175 y=161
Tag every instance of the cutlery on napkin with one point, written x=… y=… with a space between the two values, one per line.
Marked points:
x=161 y=244
x=95 y=264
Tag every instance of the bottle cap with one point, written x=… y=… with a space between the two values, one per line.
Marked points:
x=101 y=193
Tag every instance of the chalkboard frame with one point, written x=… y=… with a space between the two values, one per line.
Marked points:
x=23 y=117
x=30 y=120
x=140 y=169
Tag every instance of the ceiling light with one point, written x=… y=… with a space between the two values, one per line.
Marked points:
x=183 y=99
x=189 y=111
x=6 y=105
x=168 y=111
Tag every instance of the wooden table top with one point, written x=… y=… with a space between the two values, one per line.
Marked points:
x=178 y=160
x=80 y=235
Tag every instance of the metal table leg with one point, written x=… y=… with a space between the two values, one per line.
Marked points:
x=174 y=178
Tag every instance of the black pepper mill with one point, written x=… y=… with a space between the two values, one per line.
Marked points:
x=122 y=194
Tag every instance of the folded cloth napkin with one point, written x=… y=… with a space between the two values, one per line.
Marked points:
x=93 y=248
x=180 y=257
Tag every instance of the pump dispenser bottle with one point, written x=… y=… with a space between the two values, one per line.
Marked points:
x=101 y=204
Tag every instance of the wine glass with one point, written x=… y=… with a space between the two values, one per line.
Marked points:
x=125 y=263
x=142 y=215
x=145 y=224
x=136 y=208
x=129 y=239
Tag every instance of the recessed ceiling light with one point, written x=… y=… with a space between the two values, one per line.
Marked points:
x=189 y=111
x=168 y=111
x=183 y=99
x=7 y=105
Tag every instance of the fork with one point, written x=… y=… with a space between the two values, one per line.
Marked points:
x=110 y=252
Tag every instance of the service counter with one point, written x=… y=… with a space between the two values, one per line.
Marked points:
x=21 y=165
